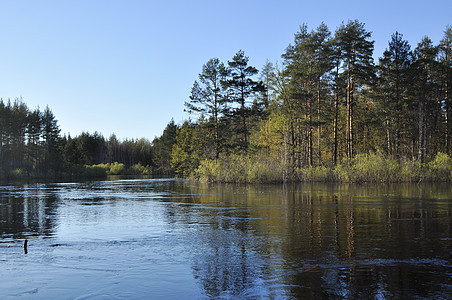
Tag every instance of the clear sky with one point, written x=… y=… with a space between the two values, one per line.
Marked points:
x=127 y=67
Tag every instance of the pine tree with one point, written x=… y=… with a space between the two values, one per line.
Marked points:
x=307 y=63
x=17 y=125
x=393 y=83
x=241 y=87
x=298 y=61
x=34 y=130
x=207 y=97
x=323 y=63
x=189 y=149
x=423 y=83
x=163 y=146
x=356 y=53
x=266 y=75
x=445 y=60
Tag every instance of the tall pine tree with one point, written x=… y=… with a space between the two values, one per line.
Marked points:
x=207 y=97
x=392 y=86
x=356 y=50
x=241 y=88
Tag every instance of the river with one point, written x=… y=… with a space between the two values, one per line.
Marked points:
x=176 y=239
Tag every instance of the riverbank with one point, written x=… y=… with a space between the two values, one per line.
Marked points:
x=73 y=173
x=373 y=167
x=79 y=172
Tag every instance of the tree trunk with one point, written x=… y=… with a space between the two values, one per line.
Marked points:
x=388 y=136
x=309 y=129
x=215 y=116
x=421 y=131
x=446 y=96
x=349 y=115
x=351 y=119
x=245 y=131
x=336 y=113
x=319 y=129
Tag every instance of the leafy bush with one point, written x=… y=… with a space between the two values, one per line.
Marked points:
x=240 y=169
x=138 y=169
x=440 y=168
x=117 y=169
x=316 y=174
x=372 y=167
x=410 y=171
x=208 y=171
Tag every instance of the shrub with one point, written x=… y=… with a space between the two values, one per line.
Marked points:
x=239 y=169
x=138 y=169
x=208 y=171
x=440 y=168
x=410 y=171
x=372 y=167
x=117 y=168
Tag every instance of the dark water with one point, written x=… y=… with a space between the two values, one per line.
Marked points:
x=172 y=239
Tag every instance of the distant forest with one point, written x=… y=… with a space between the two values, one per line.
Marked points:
x=31 y=146
x=323 y=107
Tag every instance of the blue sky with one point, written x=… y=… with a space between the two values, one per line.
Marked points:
x=127 y=67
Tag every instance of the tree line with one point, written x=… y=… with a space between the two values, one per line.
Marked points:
x=31 y=146
x=325 y=103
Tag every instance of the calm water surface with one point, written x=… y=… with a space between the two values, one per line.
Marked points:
x=168 y=239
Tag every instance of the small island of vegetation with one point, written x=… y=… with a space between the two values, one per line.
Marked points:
x=326 y=113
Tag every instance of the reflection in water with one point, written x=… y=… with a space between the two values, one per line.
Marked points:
x=343 y=241
x=27 y=211
x=166 y=238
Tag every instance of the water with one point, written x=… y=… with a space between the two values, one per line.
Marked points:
x=173 y=239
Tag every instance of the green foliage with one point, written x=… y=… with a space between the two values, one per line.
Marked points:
x=208 y=171
x=241 y=86
x=410 y=171
x=270 y=135
x=121 y=169
x=192 y=145
x=180 y=161
x=315 y=174
x=139 y=169
x=163 y=146
x=29 y=141
x=374 y=167
x=239 y=169
x=440 y=169
x=117 y=168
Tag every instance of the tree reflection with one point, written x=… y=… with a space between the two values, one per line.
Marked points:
x=317 y=240
x=229 y=258
x=26 y=211
x=287 y=241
